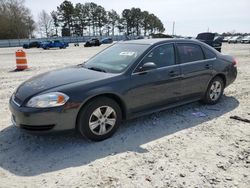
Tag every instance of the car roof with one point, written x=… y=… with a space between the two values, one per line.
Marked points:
x=158 y=41
x=155 y=42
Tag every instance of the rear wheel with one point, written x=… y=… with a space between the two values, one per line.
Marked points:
x=99 y=119
x=214 y=91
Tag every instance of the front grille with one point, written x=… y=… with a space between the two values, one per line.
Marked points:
x=37 y=128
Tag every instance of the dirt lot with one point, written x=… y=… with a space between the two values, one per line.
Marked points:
x=172 y=148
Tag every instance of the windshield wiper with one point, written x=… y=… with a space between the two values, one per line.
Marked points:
x=96 y=69
x=82 y=64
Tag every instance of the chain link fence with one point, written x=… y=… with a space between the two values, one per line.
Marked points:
x=21 y=42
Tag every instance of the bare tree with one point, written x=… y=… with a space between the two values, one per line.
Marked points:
x=45 y=23
x=15 y=20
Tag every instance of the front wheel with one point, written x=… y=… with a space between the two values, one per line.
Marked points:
x=99 y=119
x=214 y=91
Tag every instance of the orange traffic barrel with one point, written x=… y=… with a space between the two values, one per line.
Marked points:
x=21 y=61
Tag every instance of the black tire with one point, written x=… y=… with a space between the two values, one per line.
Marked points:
x=87 y=113
x=208 y=99
x=87 y=44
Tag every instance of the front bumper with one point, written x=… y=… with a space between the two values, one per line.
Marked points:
x=43 y=120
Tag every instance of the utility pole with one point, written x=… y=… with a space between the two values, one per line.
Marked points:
x=173 y=28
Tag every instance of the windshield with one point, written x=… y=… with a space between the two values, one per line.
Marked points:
x=116 y=58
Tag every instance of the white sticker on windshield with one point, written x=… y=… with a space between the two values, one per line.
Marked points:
x=127 y=53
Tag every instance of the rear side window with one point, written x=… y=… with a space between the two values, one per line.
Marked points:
x=209 y=54
x=189 y=52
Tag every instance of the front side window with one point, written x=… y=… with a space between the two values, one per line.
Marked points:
x=189 y=53
x=162 y=56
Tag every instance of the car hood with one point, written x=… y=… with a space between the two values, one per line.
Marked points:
x=60 y=77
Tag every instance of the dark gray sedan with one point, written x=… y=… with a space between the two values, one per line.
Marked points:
x=126 y=80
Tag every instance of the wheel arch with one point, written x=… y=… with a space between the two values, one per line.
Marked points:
x=112 y=96
x=223 y=77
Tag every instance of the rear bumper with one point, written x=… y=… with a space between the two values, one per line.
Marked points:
x=42 y=120
x=232 y=75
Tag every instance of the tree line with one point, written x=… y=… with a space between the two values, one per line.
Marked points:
x=93 y=19
x=75 y=20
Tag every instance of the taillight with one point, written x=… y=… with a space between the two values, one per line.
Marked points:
x=234 y=63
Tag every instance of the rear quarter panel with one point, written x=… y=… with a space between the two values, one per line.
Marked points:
x=224 y=65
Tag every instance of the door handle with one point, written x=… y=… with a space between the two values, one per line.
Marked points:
x=208 y=66
x=173 y=73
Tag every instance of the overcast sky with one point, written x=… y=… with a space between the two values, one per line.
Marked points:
x=190 y=16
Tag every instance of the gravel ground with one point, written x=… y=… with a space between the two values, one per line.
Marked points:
x=172 y=148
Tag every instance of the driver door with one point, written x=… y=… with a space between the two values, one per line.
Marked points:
x=159 y=86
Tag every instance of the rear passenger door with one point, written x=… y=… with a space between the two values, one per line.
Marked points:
x=196 y=70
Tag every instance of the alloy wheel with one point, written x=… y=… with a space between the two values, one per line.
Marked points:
x=102 y=120
x=215 y=90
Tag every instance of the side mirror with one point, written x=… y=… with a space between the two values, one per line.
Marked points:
x=148 y=66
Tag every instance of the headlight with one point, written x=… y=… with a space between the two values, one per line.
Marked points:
x=47 y=100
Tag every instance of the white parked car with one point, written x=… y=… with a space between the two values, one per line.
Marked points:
x=245 y=39
x=235 y=39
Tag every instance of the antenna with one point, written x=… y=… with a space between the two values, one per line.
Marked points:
x=173 y=28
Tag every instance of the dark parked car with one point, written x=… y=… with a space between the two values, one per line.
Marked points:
x=138 y=37
x=107 y=41
x=34 y=44
x=92 y=42
x=211 y=40
x=126 y=80
x=54 y=44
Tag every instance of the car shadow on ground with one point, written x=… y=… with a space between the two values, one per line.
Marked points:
x=29 y=155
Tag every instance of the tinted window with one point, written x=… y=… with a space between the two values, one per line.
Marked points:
x=162 y=56
x=208 y=53
x=116 y=58
x=189 y=52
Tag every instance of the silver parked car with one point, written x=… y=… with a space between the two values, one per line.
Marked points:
x=245 y=39
x=235 y=39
